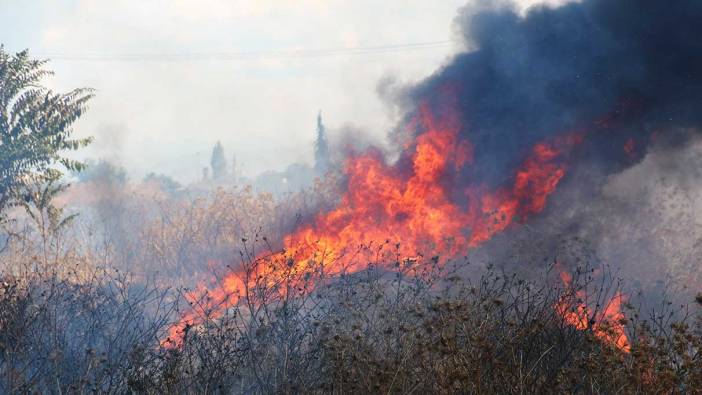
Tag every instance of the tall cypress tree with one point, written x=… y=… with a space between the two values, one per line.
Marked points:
x=218 y=162
x=321 y=148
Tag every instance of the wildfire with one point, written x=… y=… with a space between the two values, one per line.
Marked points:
x=412 y=206
x=607 y=324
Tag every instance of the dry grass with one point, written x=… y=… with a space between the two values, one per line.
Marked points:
x=68 y=324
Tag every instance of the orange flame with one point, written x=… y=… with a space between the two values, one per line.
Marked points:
x=413 y=206
x=607 y=324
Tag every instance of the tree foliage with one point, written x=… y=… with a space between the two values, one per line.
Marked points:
x=35 y=125
x=103 y=172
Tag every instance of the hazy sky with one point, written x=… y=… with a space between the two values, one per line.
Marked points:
x=173 y=77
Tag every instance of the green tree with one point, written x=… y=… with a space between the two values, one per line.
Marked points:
x=35 y=125
x=218 y=162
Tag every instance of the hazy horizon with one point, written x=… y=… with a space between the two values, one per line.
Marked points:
x=182 y=75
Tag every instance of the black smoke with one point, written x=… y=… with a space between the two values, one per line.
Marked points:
x=617 y=69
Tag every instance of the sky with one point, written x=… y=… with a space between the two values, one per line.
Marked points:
x=173 y=77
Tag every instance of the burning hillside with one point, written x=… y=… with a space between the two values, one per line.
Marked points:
x=404 y=213
x=532 y=228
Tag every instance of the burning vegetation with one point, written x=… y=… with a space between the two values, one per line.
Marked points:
x=402 y=212
x=375 y=278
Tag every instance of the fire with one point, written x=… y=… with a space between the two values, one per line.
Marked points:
x=607 y=324
x=412 y=206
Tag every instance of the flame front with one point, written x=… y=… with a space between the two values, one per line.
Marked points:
x=413 y=208
x=607 y=324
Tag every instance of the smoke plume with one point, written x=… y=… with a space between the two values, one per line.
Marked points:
x=624 y=71
x=627 y=76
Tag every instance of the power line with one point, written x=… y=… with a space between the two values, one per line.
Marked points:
x=244 y=55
